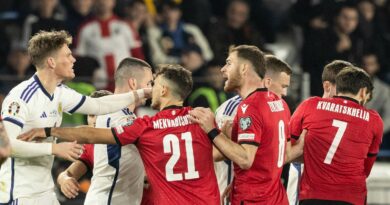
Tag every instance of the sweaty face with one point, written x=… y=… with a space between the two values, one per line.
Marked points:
x=231 y=74
x=64 y=62
x=280 y=83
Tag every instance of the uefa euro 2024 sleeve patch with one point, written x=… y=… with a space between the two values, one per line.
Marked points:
x=13 y=108
x=245 y=123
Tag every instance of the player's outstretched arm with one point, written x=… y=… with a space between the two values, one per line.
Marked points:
x=68 y=179
x=294 y=152
x=5 y=147
x=84 y=135
x=242 y=155
x=112 y=103
x=21 y=149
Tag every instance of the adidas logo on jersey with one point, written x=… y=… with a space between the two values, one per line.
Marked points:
x=43 y=115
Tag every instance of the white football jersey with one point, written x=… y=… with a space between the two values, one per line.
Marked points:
x=29 y=105
x=224 y=169
x=118 y=172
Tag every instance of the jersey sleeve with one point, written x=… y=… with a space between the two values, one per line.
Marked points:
x=378 y=133
x=87 y=156
x=296 y=121
x=375 y=144
x=14 y=110
x=130 y=133
x=249 y=125
x=287 y=113
x=15 y=114
x=71 y=100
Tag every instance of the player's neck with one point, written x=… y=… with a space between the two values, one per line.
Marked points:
x=355 y=97
x=326 y=95
x=170 y=102
x=49 y=82
x=250 y=85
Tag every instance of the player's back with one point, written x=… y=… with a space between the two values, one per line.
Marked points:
x=118 y=172
x=178 y=159
x=262 y=119
x=340 y=134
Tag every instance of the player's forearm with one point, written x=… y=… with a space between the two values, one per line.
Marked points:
x=23 y=149
x=85 y=135
x=76 y=170
x=110 y=103
x=293 y=152
x=235 y=152
x=217 y=155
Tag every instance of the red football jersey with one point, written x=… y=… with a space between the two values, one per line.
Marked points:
x=87 y=156
x=262 y=120
x=341 y=134
x=177 y=156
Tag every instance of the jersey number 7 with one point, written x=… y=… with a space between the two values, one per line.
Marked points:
x=342 y=126
x=173 y=140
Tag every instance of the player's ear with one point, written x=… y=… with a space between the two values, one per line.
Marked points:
x=243 y=68
x=163 y=90
x=51 y=62
x=362 y=94
x=267 y=82
x=132 y=82
x=326 y=86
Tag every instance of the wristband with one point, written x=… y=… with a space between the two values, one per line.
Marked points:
x=213 y=133
x=47 y=131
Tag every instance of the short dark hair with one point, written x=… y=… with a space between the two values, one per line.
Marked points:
x=352 y=79
x=252 y=54
x=100 y=93
x=43 y=43
x=275 y=65
x=332 y=69
x=179 y=76
x=126 y=69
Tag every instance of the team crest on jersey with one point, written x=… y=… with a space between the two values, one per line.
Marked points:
x=13 y=108
x=59 y=108
x=245 y=123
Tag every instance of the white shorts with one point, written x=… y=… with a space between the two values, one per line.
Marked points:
x=47 y=198
x=294 y=180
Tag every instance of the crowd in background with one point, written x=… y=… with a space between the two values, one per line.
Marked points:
x=307 y=34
